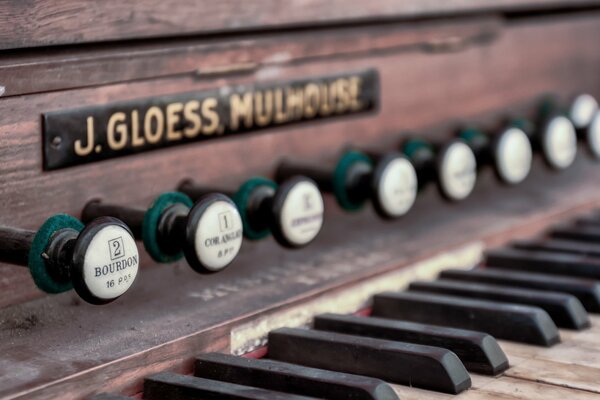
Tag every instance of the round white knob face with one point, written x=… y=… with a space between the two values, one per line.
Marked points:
x=513 y=156
x=301 y=216
x=593 y=135
x=457 y=171
x=560 y=142
x=218 y=235
x=582 y=110
x=397 y=189
x=110 y=262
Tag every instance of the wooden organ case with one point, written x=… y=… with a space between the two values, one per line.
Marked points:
x=99 y=101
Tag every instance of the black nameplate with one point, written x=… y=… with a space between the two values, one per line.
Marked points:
x=97 y=133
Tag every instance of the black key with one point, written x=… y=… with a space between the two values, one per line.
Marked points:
x=426 y=367
x=588 y=221
x=544 y=262
x=290 y=378
x=514 y=322
x=577 y=232
x=169 y=386
x=565 y=310
x=478 y=351
x=560 y=246
x=586 y=290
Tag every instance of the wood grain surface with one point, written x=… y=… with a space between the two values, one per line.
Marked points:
x=504 y=388
x=433 y=74
x=59 y=346
x=102 y=64
x=41 y=22
x=420 y=90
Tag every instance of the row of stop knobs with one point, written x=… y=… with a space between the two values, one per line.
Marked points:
x=98 y=256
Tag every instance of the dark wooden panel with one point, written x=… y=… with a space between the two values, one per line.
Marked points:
x=207 y=59
x=418 y=90
x=41 y=23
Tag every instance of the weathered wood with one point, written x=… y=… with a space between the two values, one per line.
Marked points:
x=571 y=364
x=56 y=347
x=174 y=325
x=590 y=337
x=495 y=82
x=41 y=23
x=502 y=388
x=216 y=58
x=558 y=373
x=569 y=352
x=507 y=388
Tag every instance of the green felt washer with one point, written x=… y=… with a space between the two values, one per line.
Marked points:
x=37 y=265
x=547 y=106
x=150 y=225
x=470 y=134
x=414 y=145
x=523 y=124
x=520 y=123
x=241 y=198
x=339 y=179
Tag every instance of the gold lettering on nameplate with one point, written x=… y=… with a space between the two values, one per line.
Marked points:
x=113 y=130
x=83 y=150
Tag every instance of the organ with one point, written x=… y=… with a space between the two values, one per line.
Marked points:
x=310 y=199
